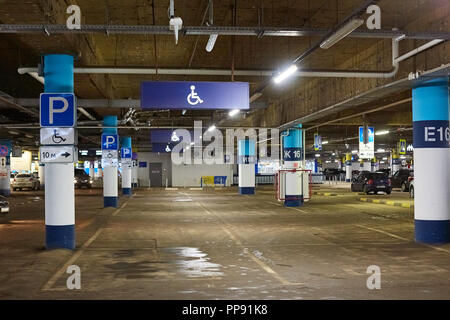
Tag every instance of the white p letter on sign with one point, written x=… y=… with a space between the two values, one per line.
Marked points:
x=53 y=110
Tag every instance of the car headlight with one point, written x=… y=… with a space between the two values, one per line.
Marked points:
x=74 y=180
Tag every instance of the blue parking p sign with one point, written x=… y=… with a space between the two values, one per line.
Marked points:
x=125 y=153
x=57 y=109
x=110 y=141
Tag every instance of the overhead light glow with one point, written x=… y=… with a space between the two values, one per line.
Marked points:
x=380 y=133
x=317 y=155
x=286 y=73
x=385 y=158
x=212 y=128
x=234 y=112
x=381 y=150
x=340 y=34
x=192 y=143
x=354 y=151
x=325 y=142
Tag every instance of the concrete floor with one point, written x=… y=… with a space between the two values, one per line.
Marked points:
x=216 y=244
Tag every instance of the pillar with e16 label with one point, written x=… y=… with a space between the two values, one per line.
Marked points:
x=292 y=157
x=59 y=186
x=126 y=155
x=348 y=167
x=110 y=161
x=246 y=160
x=431 y=132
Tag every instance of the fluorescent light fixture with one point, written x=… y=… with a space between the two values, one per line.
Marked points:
x=402 y=157
x=192 y=143
x=84 y=152
x=187 y=148
x=340 y=34
x=384 y=158
x=333 y=154
x=234 y=112
x=381 y=161
x=13 y=132
x=354 y=151
x=212 y=128
x=328 y=161
x=286 y=73
x=382 y=132
x=317 y=155
x=325 y=142
x=381 y=150
x=211 y=42
x=98 y=152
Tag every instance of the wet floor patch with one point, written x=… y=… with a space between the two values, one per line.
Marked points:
x=194 y=263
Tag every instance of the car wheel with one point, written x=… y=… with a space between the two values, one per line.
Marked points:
x=388 y=192
x=403 y=187
x=411 y=192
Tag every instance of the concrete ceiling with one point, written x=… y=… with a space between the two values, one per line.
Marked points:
x=293 y=100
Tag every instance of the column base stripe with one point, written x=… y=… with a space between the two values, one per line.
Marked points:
x=60 y=237
x=293 y=200
x=246 y=190
x=110 y=202
x=126 y=191
x=432 y=231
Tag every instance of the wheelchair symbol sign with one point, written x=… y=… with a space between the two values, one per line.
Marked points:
x=193 y=97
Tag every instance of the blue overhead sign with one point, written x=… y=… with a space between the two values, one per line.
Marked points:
x=194 y=95
x=57 y=109
x=110 y=142
x=125 y=153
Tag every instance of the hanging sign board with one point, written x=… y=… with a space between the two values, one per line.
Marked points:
x=367 y=150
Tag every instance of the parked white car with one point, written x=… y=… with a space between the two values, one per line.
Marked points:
x=411 y=188
x=25 y=180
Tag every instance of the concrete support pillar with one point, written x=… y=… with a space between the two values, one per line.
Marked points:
x=41 y=173
x=5 y=168
x=110 y=177
x=431 y=114
x=127 y=164
x=367 y=166
x=348 y=167
x=395 y=161
x=134 y=174
x=59 y=188
x=246 y=160
x=374 y=165
x=292 y=157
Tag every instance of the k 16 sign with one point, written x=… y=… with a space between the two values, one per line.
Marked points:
x=194 y=95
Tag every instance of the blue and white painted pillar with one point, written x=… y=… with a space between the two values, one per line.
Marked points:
x=109 y=167
x=431 y=114
x=59 y=187
x=367 y=165
x=5 y=168
x=41 y=173
x=134 y=170
x=293 y=156
x=246 y=160
x=348 y=167
x=127 y=164
x=395 y=161
x=374 y=165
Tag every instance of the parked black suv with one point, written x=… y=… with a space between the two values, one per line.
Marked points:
x=82 y=179
x=371 y=182
x=400 y=179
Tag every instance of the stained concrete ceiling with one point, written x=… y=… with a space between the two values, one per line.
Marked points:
x=238 y=52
